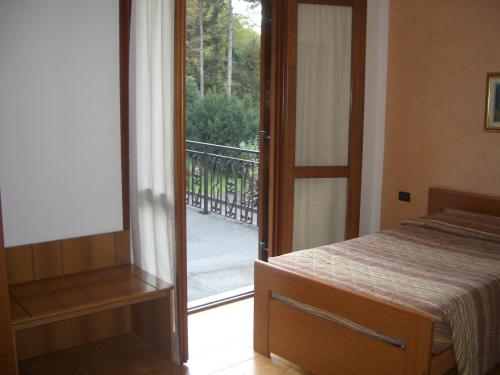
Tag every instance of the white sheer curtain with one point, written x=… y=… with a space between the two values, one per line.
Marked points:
x=322 y=129
x=324 y=34
x=152 y=137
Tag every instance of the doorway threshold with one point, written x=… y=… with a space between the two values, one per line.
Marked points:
x=220 y=299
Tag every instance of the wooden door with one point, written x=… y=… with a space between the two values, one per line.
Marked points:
x=180 y=168
x=317 y=91
x=265 y=131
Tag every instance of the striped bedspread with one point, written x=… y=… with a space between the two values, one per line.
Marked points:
x=446 y=265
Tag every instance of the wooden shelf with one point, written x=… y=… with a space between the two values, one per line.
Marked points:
x=51 y=300
x=125 y=354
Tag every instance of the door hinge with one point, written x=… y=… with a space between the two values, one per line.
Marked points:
x=263 y=251
x=265 y=134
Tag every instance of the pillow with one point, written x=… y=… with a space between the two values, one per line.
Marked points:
x=473 y=216
x=462 y=223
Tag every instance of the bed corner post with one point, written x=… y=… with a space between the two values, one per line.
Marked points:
x=419 y=335
x=261 y=310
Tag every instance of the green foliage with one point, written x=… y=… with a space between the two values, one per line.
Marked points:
x=217 y=118
x=246 y=65
x=246 y=48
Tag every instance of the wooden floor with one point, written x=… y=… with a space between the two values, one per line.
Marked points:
x=220 y=344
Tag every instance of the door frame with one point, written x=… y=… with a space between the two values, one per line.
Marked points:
x=268 y=161
x=266 y=137
x=283 y=171
x=180 y=181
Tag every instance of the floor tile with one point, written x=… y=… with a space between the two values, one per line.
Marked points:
x=260 y=365
x=228 y=371
x=217 y=327
x=219 y=359
x=221 y=343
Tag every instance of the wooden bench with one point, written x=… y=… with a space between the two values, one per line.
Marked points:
x=71 y=292
x=46 y=301
x=52 y=314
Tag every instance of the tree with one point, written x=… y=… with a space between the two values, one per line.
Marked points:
x=229 y=47
x=214 y=113
x=202 y=48
x=220 y=119
x=246 y=56
x=245 y=51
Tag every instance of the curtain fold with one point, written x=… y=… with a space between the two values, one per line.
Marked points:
x=152 y=139
x=324 y=38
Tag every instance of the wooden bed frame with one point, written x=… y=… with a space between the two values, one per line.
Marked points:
x=327 y=348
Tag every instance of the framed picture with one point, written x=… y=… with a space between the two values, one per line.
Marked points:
x=493 y=102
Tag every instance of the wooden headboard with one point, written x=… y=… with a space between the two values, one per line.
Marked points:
x=439 y=199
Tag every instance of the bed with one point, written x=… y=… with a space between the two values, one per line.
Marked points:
x=323 y=324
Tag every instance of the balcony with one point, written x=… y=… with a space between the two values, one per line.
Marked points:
x=222 y=201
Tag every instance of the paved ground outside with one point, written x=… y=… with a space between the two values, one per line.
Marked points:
x=220 y=254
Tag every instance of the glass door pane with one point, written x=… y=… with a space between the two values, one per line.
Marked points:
x=323 y=85
x=320 y=207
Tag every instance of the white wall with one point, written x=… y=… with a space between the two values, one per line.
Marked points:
x=374 y=126
x=60 y=170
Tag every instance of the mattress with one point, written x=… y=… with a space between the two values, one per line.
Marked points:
x=445 y=265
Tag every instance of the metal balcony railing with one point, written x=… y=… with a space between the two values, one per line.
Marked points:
x=222 y=180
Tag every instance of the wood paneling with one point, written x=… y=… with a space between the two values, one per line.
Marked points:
x=65 y=293
x=19 y=264
x=146 y=276
x=34 y=300
x=68 y=333
x=124 y=281
x=76 y=255
x=102 y=251
x=51 y=259
x=8 y=362
x=124 y=354
x=17 y=312
x=47 y=259
x=123 y=249
x=95 y=287
x=152 y=321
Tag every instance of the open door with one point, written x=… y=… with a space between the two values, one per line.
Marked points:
x=316 y=116
x=265 y=229
x=180 y=187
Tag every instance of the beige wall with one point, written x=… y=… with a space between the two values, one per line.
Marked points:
x=439 y=54
x=377 y=39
